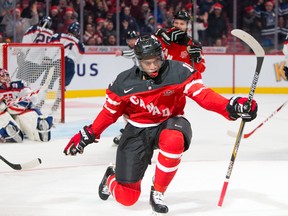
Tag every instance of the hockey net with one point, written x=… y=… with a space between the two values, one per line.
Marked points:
x=40 y=66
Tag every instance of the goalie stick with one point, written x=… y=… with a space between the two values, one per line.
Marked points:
x=27 y=165
x=233 y=134
x=259 y=52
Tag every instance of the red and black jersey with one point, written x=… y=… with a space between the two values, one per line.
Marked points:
x=147 y=103
x=177 y=50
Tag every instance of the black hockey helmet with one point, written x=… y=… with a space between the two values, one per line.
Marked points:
x=147 y=46
x=182 y=15
x=131 y=35
x=74 y=29
x=46 y=22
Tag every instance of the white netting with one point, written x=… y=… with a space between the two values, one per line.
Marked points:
x=32 y=63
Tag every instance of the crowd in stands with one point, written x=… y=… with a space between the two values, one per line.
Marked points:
x=213 y=20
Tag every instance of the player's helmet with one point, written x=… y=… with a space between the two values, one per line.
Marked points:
x=147 y=46
x=182 y=15
x=74 y=29
x=46 y=22
x=131 y=35
x=4 y=78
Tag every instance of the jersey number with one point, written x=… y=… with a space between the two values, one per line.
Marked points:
x=42 y=38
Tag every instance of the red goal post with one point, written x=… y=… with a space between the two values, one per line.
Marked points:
x=33 y=63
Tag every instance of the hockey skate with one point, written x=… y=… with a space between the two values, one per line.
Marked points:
x=157 y=202
x=116 y=140
x=103 y=190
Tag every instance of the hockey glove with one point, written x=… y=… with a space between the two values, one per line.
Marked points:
x=240 y=107
x=79 y=141
x=171 y=35
x=195 y=52
x=286 y=71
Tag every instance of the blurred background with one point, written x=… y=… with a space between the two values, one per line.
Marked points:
x=105 y=23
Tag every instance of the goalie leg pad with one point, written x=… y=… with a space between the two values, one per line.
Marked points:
x=10 y=131
x=44 y=125
x=34 y=126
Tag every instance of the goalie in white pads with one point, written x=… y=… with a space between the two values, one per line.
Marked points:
x=18 y=117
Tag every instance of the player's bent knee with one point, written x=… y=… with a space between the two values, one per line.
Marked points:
x=127 y=195
x=171 y=141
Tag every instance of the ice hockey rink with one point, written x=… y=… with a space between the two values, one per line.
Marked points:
x=68 y=186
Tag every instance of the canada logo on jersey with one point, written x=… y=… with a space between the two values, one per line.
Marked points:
x=168 y=93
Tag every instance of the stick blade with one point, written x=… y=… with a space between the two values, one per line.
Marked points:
x=31 y=164
x=250 y=41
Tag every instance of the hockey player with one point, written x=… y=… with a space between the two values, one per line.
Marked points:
x=33 y=60
x=130 y=40
x=177 y=45
x=18 y=117
x=73 y=50
x=153 y=96
x=285 y=52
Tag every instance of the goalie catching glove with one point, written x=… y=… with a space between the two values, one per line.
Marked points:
x=172 y=35
x=241 y=107
x=79 y=141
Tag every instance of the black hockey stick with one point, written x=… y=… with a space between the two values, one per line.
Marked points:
x=246 y=135
x=27 y=165
x=259 y=52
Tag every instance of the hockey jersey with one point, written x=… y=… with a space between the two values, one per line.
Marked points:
x=73 y=47
x=147 y=103
x=177 y=50
x=36 y=34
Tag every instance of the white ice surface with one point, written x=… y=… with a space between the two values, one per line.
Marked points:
x=68 y=186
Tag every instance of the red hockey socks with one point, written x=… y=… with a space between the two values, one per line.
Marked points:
x=171 y=144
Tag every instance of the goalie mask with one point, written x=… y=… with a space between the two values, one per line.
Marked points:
x=74 y=29
x=149 y=55
x=4 y=78
x=46 y=22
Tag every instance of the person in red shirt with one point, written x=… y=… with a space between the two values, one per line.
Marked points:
x=177 y=45
x=152 y=96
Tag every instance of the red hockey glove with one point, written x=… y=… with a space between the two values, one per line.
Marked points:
x=195 y=52
x=79 y=141
x=286 y=71
x=240 y=107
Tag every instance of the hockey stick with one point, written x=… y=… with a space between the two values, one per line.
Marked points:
x=233 y=134
x=259 y=52
x=27 y=165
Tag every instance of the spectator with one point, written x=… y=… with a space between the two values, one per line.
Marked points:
x=54 y=14
x=111 y=40
x=267 y=25
x=20 y=25
x=217 y=25
x=108 y=30
x=149 y=28
x=68 y=19
x=28 y=11
x=250 y=22
x=89 y=37
x=128 y=24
